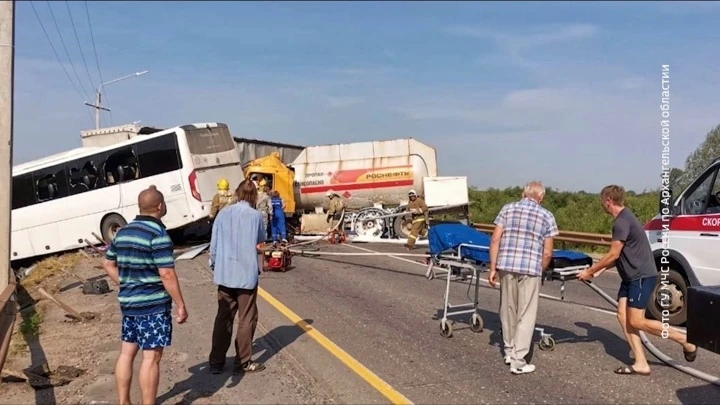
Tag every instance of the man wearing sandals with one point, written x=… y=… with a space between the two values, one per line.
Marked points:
x=631 y=252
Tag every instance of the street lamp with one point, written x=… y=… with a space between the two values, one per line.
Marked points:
x=98 y=106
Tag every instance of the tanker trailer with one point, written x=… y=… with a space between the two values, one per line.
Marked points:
x=373 y=178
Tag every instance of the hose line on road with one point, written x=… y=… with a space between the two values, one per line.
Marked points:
x=316 y=253
x=655 y=351
x=646 y=342
x=321 y=237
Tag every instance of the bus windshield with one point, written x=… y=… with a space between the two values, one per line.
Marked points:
x=209 y=140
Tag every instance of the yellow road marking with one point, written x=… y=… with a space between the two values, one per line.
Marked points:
x=371 y=378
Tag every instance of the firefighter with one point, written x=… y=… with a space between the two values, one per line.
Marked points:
x=222 y=199
x=335 y=208
x=420 y=219
x=254 y=179
x=263 y=204
x=278 y=218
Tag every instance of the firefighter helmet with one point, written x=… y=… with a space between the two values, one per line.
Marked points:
x=223 y=184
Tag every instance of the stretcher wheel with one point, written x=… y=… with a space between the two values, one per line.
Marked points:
x=547 y=344
x=446 y=329
x=476 y=324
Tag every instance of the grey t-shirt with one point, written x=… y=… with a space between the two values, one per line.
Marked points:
x=636 y=258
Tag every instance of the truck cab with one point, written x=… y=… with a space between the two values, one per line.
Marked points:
x=278 y=177
x=686 y=245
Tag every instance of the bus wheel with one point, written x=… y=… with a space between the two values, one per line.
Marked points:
x=670 y=299
x=110 y=225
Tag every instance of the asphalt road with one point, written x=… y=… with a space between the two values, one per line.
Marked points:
x=383 y=312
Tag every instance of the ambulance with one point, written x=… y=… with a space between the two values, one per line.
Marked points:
x=685 y=238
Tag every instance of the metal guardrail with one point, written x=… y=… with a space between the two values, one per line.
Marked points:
x=8 y=312
x=578 y=238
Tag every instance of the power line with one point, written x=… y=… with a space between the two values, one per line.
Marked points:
x=97 y=59
x=77 y=39
x=62 y=41
x=72 y=82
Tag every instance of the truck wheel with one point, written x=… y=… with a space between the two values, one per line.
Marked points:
x=402 y=227
x=110 y=225
x=670 y=298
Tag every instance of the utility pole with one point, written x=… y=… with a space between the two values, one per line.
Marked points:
x=98 y=97
x=97 y=106
x=8 y=305
x=7 y=62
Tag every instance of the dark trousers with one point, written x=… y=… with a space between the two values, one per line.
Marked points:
x=232 y=301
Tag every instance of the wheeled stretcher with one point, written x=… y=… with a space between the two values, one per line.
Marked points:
x=461 y=252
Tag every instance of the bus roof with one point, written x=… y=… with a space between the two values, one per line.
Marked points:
x=88 y=151
x=29 y=166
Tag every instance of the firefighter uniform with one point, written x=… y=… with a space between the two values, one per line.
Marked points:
x=222 y=199
x=419 y=213
x=263 y=205
x=335 y=209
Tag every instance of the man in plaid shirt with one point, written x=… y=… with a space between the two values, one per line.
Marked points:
x=521 y=247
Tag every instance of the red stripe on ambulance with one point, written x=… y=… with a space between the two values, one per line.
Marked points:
x=692 y=223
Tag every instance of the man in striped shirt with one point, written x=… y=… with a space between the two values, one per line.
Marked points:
x=140 y=260
x=520 y=249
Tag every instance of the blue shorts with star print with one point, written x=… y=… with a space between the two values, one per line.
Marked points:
x=149 y=331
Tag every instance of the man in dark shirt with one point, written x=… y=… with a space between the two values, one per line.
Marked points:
x=630 y=251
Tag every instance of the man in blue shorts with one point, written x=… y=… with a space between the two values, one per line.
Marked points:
x=140 y=260
x=630 y=251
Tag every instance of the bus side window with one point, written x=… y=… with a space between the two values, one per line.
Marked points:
x=83 y=176
x=23 y=192
x=121 y=166
x=51 y=183
x=158 y=155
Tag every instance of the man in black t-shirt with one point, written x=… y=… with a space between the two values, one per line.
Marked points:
x=630 y=251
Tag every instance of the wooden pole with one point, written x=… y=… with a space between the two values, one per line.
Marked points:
x=75 y=314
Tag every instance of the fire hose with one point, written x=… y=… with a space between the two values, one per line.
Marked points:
x=321 y=237
x=646 y=342
x=655 y=351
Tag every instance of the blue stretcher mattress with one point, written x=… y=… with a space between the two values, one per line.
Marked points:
x=447 y=237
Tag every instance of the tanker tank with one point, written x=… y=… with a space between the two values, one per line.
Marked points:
x=364 y=173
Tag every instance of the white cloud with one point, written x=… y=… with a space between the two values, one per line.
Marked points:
x=540 y=36
x=340 y=102
x=513 y=48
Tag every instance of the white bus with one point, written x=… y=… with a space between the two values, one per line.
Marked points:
x=59 y=201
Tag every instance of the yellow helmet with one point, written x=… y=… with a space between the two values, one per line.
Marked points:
x=262 y=183
x=223 y=184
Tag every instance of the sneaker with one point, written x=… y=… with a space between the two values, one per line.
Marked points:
x=507 y=360
x=528 y=368
x=216 y=370
x=249 y=367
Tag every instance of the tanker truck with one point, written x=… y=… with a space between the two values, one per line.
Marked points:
x=373 y=178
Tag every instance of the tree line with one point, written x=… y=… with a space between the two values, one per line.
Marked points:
x=582 y=212
x=574 y=211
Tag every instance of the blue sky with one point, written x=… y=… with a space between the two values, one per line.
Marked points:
x=567 y=93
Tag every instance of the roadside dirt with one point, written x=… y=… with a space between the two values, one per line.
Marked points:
x=61 y=355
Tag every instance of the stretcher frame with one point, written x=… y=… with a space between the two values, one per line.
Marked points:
x=447 y=263
x=466 y=267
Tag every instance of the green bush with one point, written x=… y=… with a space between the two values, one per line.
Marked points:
x=574 y=211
